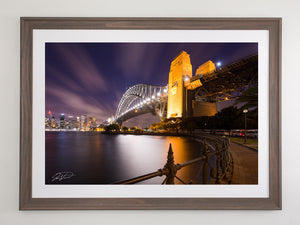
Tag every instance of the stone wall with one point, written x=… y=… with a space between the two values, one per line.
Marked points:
x=204 y=108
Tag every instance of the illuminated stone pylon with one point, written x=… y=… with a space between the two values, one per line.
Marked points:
x=180 y=72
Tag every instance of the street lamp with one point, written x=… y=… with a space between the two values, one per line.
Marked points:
x=219 y=64
x=186 y=78
x=245 y=111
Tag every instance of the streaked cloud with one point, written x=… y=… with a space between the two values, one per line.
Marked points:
x=138 y=60
x=71 y=103
x=82 y=67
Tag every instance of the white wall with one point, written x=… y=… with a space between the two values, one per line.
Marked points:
x=11 y=10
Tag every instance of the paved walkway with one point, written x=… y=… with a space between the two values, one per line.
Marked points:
x=245 y=161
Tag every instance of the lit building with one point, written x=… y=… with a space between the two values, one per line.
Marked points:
x=99 y=129
x=53 y=122
x=70 y=122
x=94 y=122
x=83 y=122
x=48 y=120
x=47 y=123
x=89 y=124
x=77 y=123
x=62 y=121
x=49 y=114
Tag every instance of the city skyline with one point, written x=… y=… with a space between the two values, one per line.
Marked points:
x=90 y=78
x=56 y=117
x=81 y=123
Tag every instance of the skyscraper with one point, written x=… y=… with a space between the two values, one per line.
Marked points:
x=70 y=122
x=83 y=122
x=62 y=121
x=48 y=119
x=53 y=122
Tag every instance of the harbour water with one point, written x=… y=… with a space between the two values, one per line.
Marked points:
x=96 y=158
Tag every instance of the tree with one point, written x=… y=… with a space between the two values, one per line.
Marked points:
x=112 y=127
x=190 y=123
x=250 y=97
x=156 y=126
x=228 y=118
x=172 y=124
x=134 y=128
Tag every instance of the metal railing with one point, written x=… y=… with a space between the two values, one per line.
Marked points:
x=221 y=171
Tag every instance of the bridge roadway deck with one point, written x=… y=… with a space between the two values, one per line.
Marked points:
x=245 y=169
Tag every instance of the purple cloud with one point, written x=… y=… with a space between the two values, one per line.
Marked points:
x=83 y=67
x=70 y=103
x=138 y=60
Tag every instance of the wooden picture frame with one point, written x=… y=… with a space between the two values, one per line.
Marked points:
x=272 y=25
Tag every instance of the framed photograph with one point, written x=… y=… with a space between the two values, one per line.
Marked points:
x=150 y=113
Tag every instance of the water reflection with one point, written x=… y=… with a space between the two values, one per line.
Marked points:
x=96 y=158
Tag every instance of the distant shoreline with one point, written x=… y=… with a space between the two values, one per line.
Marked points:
x=126 y=133
x=164 y=134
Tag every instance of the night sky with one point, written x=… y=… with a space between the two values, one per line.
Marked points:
x=90 y=78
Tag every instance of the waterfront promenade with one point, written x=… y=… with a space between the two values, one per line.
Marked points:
x=245 y=160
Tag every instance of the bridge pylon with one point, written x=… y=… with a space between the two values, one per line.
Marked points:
x=180 y=72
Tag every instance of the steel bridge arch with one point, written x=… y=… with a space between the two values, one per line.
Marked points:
x=140 y=95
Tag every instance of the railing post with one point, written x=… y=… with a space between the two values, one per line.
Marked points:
x=205 y=165
x=218 y=181
x=229 y=162
x=223 y=158
x=170 y=167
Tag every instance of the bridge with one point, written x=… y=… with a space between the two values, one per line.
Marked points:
x=141 y=99
x=187 y=95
